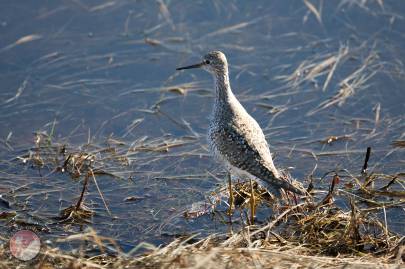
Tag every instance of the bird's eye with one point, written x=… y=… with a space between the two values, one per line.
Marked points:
x=207 y=61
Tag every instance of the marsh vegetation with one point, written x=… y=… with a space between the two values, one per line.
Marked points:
x=102 y=143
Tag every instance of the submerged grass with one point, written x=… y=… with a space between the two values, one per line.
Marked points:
x=308 y=232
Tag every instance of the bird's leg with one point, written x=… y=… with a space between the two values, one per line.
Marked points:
x=230 y=194
x=252 y=203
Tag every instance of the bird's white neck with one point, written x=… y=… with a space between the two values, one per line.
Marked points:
x=223 y=92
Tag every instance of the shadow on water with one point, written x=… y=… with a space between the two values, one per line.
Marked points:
x=324 y=80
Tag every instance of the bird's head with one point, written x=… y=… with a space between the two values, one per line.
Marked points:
x=214 y=62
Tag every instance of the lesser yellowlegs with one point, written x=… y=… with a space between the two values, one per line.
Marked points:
x=235 y=138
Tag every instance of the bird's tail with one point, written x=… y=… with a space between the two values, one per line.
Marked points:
x=275 y=184
x=290 y=184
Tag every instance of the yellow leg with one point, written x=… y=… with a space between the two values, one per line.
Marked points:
x=230 y=194
x=252 y=204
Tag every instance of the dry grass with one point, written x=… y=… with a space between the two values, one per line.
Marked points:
x=307 y=232
x=200 y=255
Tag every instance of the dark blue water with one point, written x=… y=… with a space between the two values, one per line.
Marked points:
x=92 y=68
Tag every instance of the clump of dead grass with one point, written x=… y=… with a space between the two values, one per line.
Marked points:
x=308 y=232
x=80 y=163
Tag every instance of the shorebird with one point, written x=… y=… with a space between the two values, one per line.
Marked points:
x=234 y=137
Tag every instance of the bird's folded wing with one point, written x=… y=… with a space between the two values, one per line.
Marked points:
x=244 y=154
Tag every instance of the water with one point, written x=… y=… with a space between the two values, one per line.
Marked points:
x=92 y=68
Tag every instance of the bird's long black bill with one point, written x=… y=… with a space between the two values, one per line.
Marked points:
x=190 y=66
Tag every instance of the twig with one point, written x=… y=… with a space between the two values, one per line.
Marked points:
x=99 y=191
x=389 y=184
x=274 y=222
x=79 y=202
x=363 y=171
